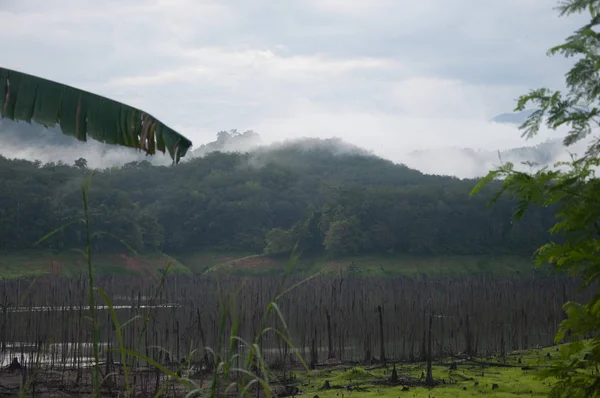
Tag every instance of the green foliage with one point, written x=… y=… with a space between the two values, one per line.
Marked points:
x=279 y=241
x=230 y=201
x=344 y=237
x=573 y=189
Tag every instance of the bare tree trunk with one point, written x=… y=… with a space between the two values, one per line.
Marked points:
x=3 y=330
x=429 y=378
x=468 y=338
x=381 y=339
x=502 y=343
x=331 y=353
x=177 y=340
x=313 y=352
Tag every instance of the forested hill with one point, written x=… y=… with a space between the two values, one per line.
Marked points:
x=330 y=197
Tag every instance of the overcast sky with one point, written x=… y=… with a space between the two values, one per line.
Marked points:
x=389 y=75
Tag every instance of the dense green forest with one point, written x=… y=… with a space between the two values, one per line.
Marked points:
x=326 y=196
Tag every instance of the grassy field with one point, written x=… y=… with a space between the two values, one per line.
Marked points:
x=73 y=264
x=16 y=265
x=517 y=377
x=381 y=266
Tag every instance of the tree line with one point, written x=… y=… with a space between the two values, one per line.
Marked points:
x=318 y=194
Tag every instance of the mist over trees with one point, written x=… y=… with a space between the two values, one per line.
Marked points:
x=35 y=142
x=230 y=141
x=326 y=197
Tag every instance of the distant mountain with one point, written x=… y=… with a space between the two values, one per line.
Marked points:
x=513 y=117
x=325 y=197
x=543 y=154
x=469 y=162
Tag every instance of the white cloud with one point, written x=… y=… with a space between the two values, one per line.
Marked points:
x=226 y=66
x=388 y=75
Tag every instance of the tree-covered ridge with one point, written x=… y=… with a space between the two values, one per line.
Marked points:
x=327 y=197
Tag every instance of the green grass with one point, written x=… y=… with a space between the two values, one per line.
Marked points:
x=391 y=265
x=36 y=263
x=455 y=265
x=469 y=380
x=199 y=262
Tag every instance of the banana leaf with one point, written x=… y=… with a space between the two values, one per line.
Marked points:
x=94 y=118
x=12 y=83
x=47 y=106
x=124 y=113
x=3 y=87
x=25 y=101
x=82 y=114
x=70 y=114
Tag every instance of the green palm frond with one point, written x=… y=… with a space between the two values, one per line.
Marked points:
x=84 y=115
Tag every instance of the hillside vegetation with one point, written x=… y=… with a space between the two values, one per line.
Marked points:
x=37 y=263
x=335 y=200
